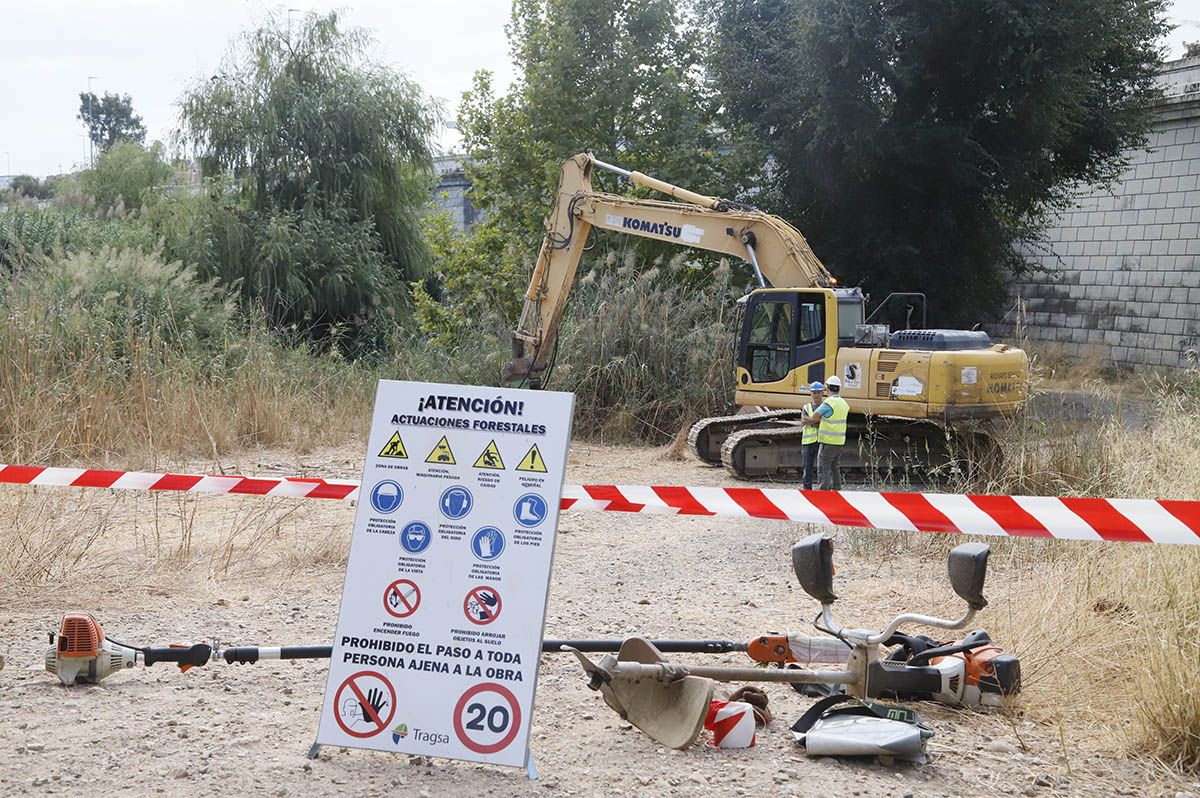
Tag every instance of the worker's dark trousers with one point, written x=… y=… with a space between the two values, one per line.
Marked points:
x=810 y=464
x=829 y=467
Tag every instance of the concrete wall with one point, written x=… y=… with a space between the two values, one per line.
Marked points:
x=1125 y=280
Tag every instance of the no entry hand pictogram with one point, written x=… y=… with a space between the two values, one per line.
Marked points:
x=402 y=598
x=482 y=605
x=364 y=704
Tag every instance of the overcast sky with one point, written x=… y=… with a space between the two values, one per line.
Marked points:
x=150 y=49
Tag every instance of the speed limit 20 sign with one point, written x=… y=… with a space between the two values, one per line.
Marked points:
x=487 y=717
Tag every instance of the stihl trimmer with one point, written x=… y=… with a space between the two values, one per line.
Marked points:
x=668 y=700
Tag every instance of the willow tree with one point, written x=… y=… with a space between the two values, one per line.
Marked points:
x=330 y=158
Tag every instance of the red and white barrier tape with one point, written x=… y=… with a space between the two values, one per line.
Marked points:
x=1131 y=520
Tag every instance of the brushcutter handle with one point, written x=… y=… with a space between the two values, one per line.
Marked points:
x=184 y=656
x=812 y=560
x=925 y=620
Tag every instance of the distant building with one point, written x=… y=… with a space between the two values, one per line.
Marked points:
x=1123 y=279
x=453 y=193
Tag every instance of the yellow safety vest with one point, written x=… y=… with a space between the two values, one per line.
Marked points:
x=810 y=433
x=833 y=429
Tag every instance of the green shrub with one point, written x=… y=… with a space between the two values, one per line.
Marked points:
x=316 y=271
x=121 y=295
x=476 y=284
x=126 y=174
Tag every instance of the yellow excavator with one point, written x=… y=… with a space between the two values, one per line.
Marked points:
x=914 y=394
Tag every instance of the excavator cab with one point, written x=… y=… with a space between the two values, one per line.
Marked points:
x=790 y=336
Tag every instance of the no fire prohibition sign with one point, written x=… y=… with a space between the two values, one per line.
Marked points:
x=443 y=606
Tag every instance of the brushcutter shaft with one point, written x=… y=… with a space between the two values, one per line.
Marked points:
x=183 y=656
x=250 y=654
x=665 y=646
x=670 y=672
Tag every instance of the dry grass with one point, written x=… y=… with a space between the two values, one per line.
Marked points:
x=51 y=536
x=116 y=358
x=134 y=416
x=1115 y=627
x=1109 y=633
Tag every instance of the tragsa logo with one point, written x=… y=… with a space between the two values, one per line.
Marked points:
x=399 y=733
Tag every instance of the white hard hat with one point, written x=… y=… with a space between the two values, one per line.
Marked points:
x=834 y=382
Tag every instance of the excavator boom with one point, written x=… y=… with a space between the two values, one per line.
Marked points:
x=779 y=253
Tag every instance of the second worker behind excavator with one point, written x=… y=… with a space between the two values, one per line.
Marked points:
x=830 y=421
x=816 y=394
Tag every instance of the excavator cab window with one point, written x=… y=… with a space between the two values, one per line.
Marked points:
x=769 y=342
x=812 y=321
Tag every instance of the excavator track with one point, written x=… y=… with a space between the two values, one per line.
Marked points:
x=706 y=437
x=886 y=450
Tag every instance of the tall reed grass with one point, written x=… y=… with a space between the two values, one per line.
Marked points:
x=647 y=353
x=118 y=358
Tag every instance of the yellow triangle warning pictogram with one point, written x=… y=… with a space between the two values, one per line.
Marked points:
x=490 y=458
x=441 y=453
x=394 y=448
x=532 y=461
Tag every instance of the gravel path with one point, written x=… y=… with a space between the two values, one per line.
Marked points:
x=254 y=571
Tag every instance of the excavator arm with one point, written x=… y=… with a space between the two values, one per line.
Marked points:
x=777 y=251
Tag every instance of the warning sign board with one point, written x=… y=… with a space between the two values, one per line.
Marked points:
x=439 y=635
x=490 y=458
x=394 y=448
x=532 y=461
x=441 y=453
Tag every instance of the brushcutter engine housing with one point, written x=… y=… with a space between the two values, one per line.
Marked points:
x=81 y=653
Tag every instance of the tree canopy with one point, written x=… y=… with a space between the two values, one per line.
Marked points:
x=30 y=186
x=303 y=116
x=622 y=78
x=110 y=118
x=915 y=143
x=327 y=154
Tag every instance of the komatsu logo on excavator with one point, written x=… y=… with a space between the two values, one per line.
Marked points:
x=688 y=234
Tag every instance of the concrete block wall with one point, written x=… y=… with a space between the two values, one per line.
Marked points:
x=1122 y=275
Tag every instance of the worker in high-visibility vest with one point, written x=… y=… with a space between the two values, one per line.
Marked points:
x=816 y=393
x=830 y=421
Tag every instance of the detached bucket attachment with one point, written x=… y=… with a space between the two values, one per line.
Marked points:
x=670 y=710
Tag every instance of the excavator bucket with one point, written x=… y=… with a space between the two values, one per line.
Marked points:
x=671 y=713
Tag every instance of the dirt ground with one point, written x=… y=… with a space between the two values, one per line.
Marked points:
x=246 y=570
